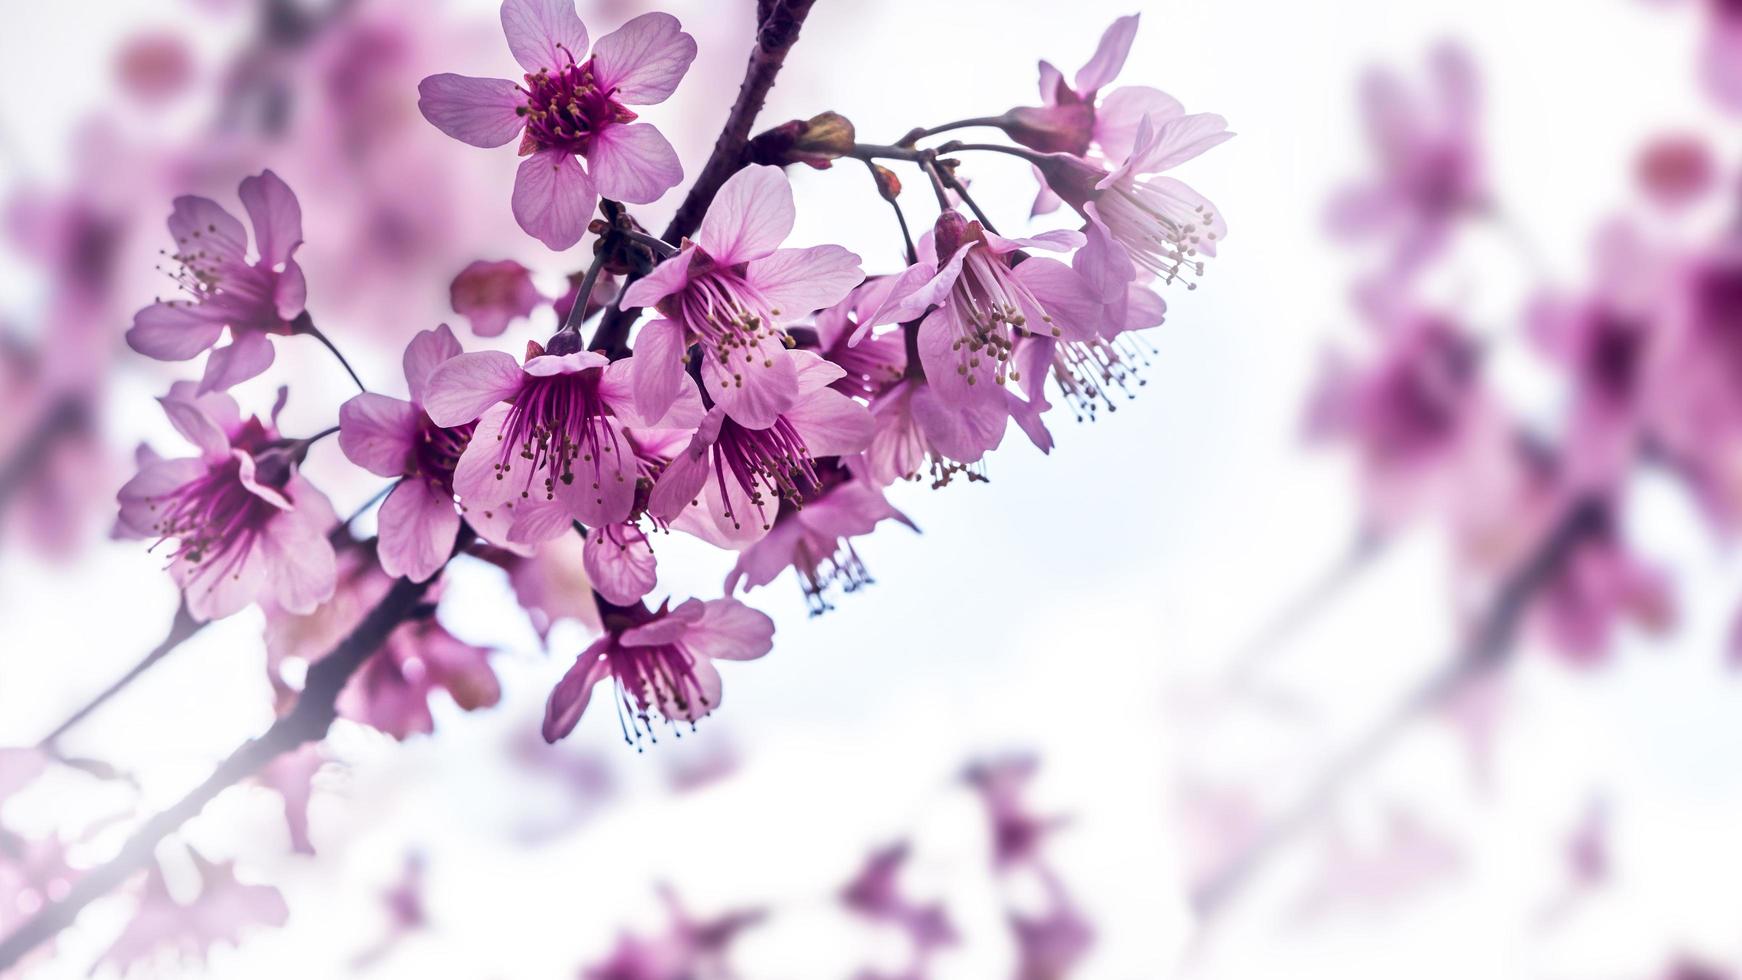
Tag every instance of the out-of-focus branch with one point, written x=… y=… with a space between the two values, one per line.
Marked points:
x=778 y=24
x=308 y=721
x=67 y=416
x=181 y=628
x=1488 y=647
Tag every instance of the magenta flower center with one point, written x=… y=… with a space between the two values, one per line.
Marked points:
x=988 y=303
x=1420 y=403
x=727 y=315
x=566 y=107
x=437 y=451
x=558 y=426
x=215 y=520
x=774 y=459
x=650 y=678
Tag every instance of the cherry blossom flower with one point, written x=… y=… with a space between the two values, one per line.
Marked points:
x=732 y=478
x=815 y=539
x=493 y=294
x=1017 y=831
x=661 y=661
x=1429 y=168
x=222 y=912
x=729 y=291
x=254 y=299
x=872 y=361
x=1049 y=946
x=568 y=110
x=551 y=584
x=620 y=563
x=245 y=523
x=1601 y=584
x=876 y=894
x=915 y=431
x=550 y=446
x=393 y=437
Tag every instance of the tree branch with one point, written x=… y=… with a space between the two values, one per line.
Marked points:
x=180 y=629
x=1489 y=647
x=308 y=721
x=779 y=22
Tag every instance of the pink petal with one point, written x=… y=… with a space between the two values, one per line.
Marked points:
x=668 y=277
x=963 y=432
x=1102 y=262
x=290 y=292
x=1050 y=80
x=196 y=426
x=797 y=281
x=1119 y=113
x=908 y=295
x=645 y=59
x=299 y=557
x=276 y=215
x=569 y=698
x=605 y=495
x=544 y=33
x=174 y=331
x=1068 y=305
x=418 y=525
x=1181 y=139
x=553 y=198
x=198 y=223
x=755 y=386
x=1109 y=55
x=492 y=294
x=546 y=365
x=750 y=216
x=681 y=482
x=538 y=520
x=427 y=351
x=814 y=373
x=620 y=562
x=213 y=595
x=467 y=384
x=378 y=433
x=140 y=496
x=475 y=477
x=248 y=355
x=248 y=475
x=656 y=371
x=479 y=111
x=730 y=630
x=831 y=424
x=633 y=163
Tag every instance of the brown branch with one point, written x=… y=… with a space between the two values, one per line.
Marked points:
x=1489 y=647
x=778 y=24
x=308 y=721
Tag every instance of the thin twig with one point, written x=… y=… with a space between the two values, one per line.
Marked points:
x=1299 y=611
x=305 y=324
x=894 y=205
x=181 y=628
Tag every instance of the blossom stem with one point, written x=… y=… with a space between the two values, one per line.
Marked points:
x=900 y=219
x=1488 y=648
x=305 y=324
x=994 y=122
x=778 y=25
x=313 y=714
x=578 y=312
x=181 y=628
x=937 y=182
x=1029 y=155
x=949 y=179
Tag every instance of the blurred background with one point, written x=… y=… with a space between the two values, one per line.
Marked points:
x=1080 y=650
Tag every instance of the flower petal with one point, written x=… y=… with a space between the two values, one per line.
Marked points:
x=1119 y=113
x=569 y=698
x=553 y=198
x=378 y=433
x=248 y=355
x=620 y=562
x=199 y=223
x=753 y=390
x=544 y=33
x=645 y=59
x=418 y=525
x=749 y=217
x=633 y=163
x=730 y=630
x=831 y=424
x=492 y=294
x=797 y=281
x=479 y=111
x=1109 y=55
x=427 y=351
x=668 y=277
x=174 y=331
x=467 y=384
x=275 y=214
x=656 y=371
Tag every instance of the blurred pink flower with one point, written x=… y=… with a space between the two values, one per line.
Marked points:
x=661 y=660
x=1721 y=60
x=493 y=294
x=729 y=291
x=292 y=776
x=560 y=420
x=1676 y=169
x=876 y=894
x=1016 y=830
x=551 y=584
x=567 y=110
x=1051 y=945
x=224 y=289
x=223 y=910
x=247 y=526
x=815 y=538
x=1601 y=584
x=732 y=478
x=1429 y=171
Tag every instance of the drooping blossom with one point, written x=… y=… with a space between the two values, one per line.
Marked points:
x=1141 y=223
x=550 y=446
x=222 y=288
x=222 y=912
x=730 y=291
x=571 y=107
x=244 y=522
x=661 y=662
x=1094 y=372
x=391 y=693
x=815 y=539
x=872 y=360
x=493 y=294
x=1428 y=167
x=394 y=437
x=731 y=479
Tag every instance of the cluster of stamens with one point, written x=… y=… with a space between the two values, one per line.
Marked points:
x=655 y=677
x=763 y=462
x=557 y=425
x=214 y=519
x=1089 y=372
x=437 y=452
x=565 y=107
x=732 y=322
x=987 y=303
x=1138 y=215
x=818 y=572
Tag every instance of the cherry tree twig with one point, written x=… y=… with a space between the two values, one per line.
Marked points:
x=778 y=24
x=308 y=721
x=1489 y=647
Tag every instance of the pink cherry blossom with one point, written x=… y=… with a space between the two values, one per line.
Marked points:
x=551 y=584
x=915 y=431
x=661 y=661
x=1721 y=57
x=571 y=110
x=876 y=894
x=1428 y=163
x=815 y=540
x=246 y=525
x=732 y=478
x=494 y=294
x=550 y=446
x=393 y=437
x=729 y=291
x=1051 y=944
x=223 y=288
x=1599 y=586
x=222 y=912
x=1017 y=831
